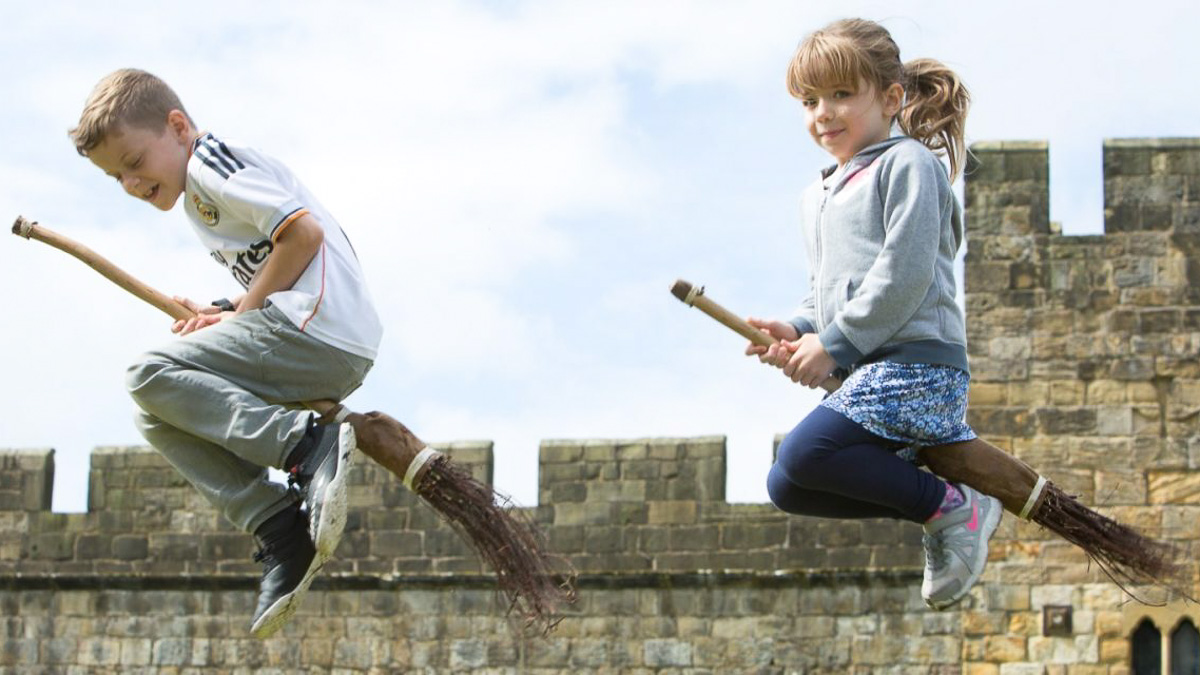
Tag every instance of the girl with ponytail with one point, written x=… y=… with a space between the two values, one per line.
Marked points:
x=881 y=228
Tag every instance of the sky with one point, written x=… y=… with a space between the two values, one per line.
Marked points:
x=523 y=181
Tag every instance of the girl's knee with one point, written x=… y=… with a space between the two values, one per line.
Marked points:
x=799 y=459
x=779 y=488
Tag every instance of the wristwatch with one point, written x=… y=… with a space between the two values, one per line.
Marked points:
x=224 y=305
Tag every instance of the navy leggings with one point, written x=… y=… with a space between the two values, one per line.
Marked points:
x=831 y=467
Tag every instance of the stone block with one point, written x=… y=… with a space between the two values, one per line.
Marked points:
x=1173 y=487
x=617 y=491
x=667 y=653
x=50 y=546
x=673 y=512
x=1076 y=649
x=745 y=536
x=396 y=544
x=1067 y=420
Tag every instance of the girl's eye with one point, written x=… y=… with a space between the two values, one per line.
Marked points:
x=842 y=93
x=808 y=102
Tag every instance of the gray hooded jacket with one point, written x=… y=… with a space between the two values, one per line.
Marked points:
x=881 y=237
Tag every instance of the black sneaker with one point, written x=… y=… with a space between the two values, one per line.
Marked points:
x=290 y=562
x=320 y=476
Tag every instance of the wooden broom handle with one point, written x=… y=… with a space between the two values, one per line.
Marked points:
x=31 y=230
x=694 y=296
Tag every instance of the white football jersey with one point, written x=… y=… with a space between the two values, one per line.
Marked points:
x=239 y=201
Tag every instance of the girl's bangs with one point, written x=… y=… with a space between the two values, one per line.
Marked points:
x=826 y=62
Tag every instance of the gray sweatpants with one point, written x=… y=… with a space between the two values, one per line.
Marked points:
x=215 y=404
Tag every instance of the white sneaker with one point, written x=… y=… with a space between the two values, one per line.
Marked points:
x=956 y=548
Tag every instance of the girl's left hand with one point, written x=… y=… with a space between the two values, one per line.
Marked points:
x=810 y=364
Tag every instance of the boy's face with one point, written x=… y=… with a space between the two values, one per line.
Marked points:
x=150 y=165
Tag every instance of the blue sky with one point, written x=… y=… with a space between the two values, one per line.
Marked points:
x=523 y=181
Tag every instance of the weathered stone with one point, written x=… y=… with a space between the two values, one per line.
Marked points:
x=1082 y=351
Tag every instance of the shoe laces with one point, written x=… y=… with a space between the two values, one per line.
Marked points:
x=936 y=554
x=294 y=480
x=266 y=556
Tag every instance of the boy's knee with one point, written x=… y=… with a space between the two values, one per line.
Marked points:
x=139 y=375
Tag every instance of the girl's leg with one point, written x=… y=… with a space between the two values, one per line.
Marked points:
x=830 y=466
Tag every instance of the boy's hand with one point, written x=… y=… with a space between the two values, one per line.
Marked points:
x=778 y=353
x=810 y=364
x=206 y=315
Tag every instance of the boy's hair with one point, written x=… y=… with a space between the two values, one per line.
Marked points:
x=126 y=97
x=852 y=50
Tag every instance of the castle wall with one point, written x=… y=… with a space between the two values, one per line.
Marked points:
x=1083 y=352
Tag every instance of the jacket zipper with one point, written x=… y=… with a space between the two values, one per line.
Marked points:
x=819 y=304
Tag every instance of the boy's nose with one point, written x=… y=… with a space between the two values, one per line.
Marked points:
x=130 y=183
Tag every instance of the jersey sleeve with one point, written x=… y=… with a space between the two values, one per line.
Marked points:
x=248 y=193
x=254 y=197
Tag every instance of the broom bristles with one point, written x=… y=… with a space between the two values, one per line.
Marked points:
x=1126 y=556
x=537 y=585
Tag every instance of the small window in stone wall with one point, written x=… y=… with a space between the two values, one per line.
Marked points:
x=1180 y=653
x=1147 y=649
x=1185 y=649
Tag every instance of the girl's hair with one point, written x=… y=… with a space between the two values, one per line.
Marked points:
x=852 y=50
x=129 y=97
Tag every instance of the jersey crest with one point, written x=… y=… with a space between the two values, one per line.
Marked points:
x=208 y=213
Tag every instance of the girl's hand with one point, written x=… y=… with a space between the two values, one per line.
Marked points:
x=778 y=353
x=206 y=315
x=810 y=364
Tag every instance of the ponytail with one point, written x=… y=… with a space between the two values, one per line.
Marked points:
x=936 y=109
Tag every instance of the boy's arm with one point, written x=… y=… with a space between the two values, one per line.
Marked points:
x=294 y=250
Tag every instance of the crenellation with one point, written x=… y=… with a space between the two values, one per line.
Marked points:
x=1083 y=359
x=26 y=480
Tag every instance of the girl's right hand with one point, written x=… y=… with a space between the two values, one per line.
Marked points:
x=785 y=335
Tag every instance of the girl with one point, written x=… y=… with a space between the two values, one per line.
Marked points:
x=881 y=228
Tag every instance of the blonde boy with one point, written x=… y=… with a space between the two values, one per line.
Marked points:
x=214 y=401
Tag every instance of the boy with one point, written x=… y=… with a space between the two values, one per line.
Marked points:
x=213 y=401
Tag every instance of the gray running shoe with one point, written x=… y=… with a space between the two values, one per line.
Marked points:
x=956 y=548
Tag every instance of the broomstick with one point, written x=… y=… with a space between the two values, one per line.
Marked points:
x=507 y=540
x=1124 y=554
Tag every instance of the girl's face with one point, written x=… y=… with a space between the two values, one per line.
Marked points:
x=845 y=119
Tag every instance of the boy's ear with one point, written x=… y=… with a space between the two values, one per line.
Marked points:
x=179 y=125
x=893 y=99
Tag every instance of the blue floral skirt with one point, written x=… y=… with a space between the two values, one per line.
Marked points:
x=916 y=404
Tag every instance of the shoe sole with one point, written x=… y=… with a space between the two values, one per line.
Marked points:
x=278 y=614
x=990 y=522
x=327 y=531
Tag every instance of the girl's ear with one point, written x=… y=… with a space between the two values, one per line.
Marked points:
x=893 y=99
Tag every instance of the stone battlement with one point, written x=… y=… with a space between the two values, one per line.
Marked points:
x=1084 y=357
x=624 y=506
